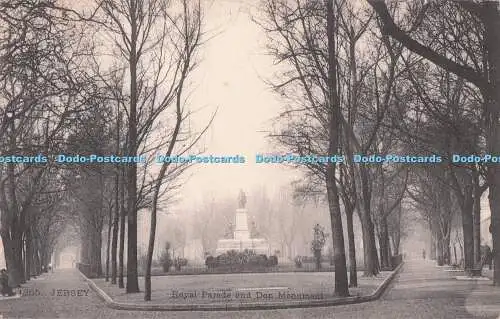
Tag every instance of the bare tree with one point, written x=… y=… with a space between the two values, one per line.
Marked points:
x=314 y=70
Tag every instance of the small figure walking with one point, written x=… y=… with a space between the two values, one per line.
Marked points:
x=423 y=253
x=4 y=282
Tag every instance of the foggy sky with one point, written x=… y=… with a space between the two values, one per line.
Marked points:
x=230 y=79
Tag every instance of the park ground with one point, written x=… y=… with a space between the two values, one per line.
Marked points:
x=240 y=288
x=420 y=290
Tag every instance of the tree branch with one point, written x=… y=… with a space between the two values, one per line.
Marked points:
x=389 y=27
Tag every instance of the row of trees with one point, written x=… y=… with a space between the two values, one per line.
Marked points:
x=357 y=81
x=109 y=78
x=340 y=76
x=40 y=90
x=467 y=49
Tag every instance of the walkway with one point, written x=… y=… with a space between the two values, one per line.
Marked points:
x=421 y=290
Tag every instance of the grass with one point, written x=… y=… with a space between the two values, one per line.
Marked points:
x=198 y=289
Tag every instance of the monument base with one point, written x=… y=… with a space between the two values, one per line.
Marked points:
x=258 y=245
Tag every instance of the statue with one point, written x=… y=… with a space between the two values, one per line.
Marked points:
x=242 y=199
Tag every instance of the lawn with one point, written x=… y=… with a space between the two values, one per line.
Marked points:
x=241 y=288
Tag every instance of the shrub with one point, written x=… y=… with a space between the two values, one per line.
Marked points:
x=257 y=260
x=228 y=260
x=239 y=261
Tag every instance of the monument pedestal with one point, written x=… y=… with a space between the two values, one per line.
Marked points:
x=242 y=240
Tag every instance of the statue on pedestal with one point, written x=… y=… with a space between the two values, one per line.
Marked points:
x=242 y=199
x=237 y=235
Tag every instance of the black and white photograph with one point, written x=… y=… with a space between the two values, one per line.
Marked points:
x=250 y=159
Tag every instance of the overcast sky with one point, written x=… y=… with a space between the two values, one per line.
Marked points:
x=230 y=78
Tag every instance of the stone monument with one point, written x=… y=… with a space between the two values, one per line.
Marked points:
x=241 y=236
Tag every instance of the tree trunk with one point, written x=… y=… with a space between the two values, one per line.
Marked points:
x=108 y=243
x=439 y=248
x=461 y=250
x=381 y=253
x=395 y=234
x=20 y=260
x=12 y=221
x=353 y=272
x=87 y=254
x=384 y=244
x=341 y=281
x=114 y=239
x=116 y=216
x=132 y=275
x=96 y=262
x=37 y=264
x=446 y=250
x=494 y=197
x=433 y=248
x=123 y=215
x=367 y=228
x=28 y=259
x=467 y=228
x=477 y=218
x=151 y=243
x=11 y=261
